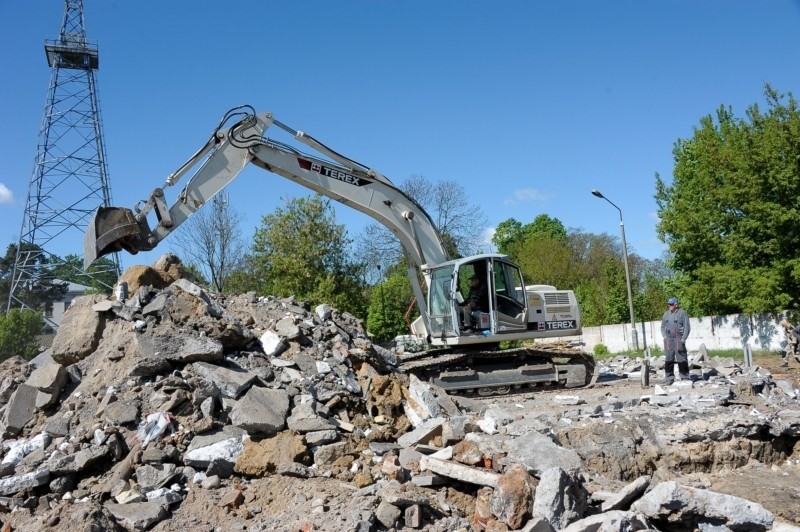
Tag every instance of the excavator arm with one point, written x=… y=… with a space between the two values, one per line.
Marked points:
x=228 y=152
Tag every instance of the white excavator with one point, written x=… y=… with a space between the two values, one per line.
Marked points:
x=462 y=347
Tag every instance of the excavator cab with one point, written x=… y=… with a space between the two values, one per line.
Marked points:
x=503 y=311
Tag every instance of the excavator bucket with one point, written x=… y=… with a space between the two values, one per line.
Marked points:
x=113 y=229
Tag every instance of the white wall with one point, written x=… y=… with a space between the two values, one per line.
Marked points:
x=761 y=331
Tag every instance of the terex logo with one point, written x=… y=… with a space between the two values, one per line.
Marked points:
x=333 y=173
x=561 y=325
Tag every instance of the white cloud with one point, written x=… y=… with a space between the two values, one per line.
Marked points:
x=525 y=195
x=654 y=216
x=6 y=196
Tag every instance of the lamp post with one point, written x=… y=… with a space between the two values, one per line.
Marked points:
x=634 y=335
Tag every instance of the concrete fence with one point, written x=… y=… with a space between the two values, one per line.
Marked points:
x=761 y=331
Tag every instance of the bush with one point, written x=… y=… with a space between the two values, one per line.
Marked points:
x=19 y=331
x=600 y=350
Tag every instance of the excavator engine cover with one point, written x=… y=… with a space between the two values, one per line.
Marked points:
x=113 y=229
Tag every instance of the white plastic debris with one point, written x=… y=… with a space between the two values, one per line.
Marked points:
x=152 y=427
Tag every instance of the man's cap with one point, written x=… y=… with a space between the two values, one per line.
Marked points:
x=672 y=301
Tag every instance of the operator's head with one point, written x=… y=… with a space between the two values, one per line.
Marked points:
x=474 y=280
x=672 y=302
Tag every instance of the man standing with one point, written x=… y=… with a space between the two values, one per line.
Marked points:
x=675 y=329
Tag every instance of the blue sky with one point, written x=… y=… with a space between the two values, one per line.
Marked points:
x=530 y=105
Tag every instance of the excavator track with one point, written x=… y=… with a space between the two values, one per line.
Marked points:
x=501 y=371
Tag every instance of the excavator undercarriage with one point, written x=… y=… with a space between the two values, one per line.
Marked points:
x=483 y=371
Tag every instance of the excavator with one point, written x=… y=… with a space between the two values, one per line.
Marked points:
x=484 y=352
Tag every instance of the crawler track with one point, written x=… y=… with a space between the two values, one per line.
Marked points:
x=501 y=371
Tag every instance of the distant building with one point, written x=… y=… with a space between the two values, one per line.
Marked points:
x=54 y=313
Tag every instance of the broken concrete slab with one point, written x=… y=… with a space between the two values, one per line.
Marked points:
x=221 y=445
x=122 y=412
x=322 y=437
x=539 y=453
x=79 y=331
x=11 y=485
x=327 y=454
x=628 y=494
x=422 y=403
x=286 y=328
x=230 y=383
x=153 y=476
x=17 y=450
x=568 y=400
x=171 y=346
x=20 y=408
x=609 y=521
x=560 y=499
x=49 y=378
x=138 y=515
x=460 y=472
x=272 y=344
x=79 y=461
x=425 y=432
x=261 y=411
x=387 y=514
x=675 y=505
x=305 y=419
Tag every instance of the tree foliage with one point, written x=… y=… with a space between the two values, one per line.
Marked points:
x=299 y=250
x=211 y=242
x=587 y=263
x=19 y=331
x=730 y=216
x=511 y=233
x=388 y=304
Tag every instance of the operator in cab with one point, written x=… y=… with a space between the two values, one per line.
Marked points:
x=477 y=300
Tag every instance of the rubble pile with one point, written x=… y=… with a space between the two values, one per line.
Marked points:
x=179 y=409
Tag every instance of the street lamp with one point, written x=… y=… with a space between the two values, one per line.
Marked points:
x=634 y=336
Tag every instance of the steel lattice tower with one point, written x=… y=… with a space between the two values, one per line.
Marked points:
x=69 y=179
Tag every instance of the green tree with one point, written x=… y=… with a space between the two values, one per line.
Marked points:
x=19 y=330
x=387 y=307
x=511 y=233
x=300 y=250
x=730 y=216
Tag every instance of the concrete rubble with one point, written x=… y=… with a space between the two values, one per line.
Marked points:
x=180 y=409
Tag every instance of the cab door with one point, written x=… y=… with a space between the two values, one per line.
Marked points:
x=509 y=301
